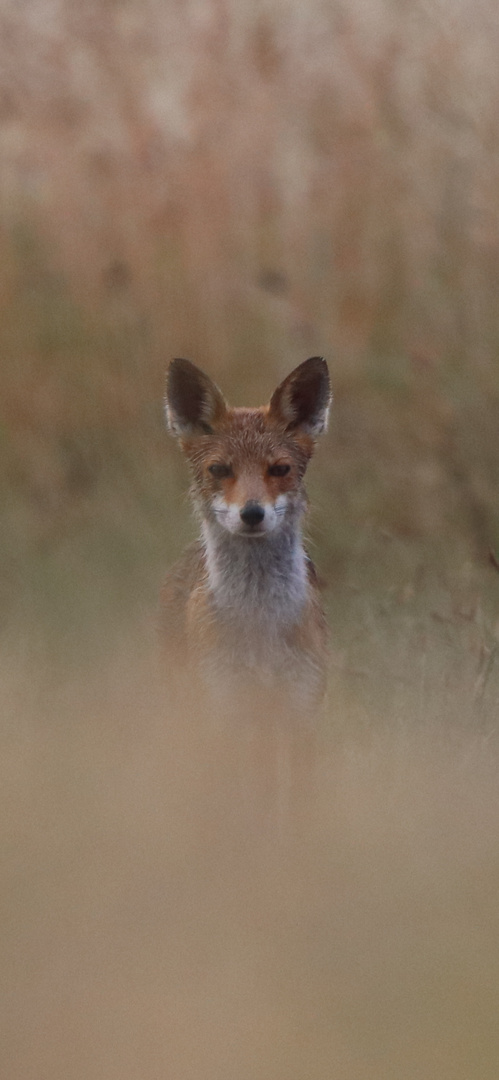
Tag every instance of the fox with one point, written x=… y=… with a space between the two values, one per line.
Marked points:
x=241 y=611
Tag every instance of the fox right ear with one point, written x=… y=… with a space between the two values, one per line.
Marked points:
x=193 y=403
x=303 y=399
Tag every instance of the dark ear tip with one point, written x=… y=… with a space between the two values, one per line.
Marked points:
x=318 y=362
x=178 y=364
x=181 y=371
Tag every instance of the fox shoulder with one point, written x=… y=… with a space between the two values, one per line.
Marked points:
x=176 y=590
x=315 y=579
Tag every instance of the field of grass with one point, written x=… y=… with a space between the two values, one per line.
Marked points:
x=248 y=185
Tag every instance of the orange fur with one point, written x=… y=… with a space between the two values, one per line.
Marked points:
x=241 y=611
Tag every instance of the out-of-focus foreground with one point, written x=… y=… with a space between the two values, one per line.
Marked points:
x=248 y=184
x=154 y=924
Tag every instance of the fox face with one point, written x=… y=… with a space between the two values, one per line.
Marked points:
x=248 y=464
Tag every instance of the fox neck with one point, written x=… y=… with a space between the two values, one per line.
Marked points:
x=257 y=582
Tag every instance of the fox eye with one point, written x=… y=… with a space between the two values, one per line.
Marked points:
x=220 y=471
x=279 y=470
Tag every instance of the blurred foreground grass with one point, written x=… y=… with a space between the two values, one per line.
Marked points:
x=154 y=923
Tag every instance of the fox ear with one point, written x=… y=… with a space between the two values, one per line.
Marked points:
x=303 y=399
x=193 y=404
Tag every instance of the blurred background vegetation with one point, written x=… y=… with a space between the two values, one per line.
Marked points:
x=247 y=185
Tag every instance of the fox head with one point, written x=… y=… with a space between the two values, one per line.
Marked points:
x=248 y=464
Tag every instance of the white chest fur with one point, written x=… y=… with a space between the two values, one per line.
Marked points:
x=258 y=585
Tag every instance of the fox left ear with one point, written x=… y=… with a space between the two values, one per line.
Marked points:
x=193 y=403
x=303 y=399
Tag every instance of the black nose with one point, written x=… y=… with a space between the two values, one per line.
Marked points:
x=252 y=513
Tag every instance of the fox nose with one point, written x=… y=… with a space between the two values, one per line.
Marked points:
x=252 y=513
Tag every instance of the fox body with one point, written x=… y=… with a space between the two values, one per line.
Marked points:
x=242 y=609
